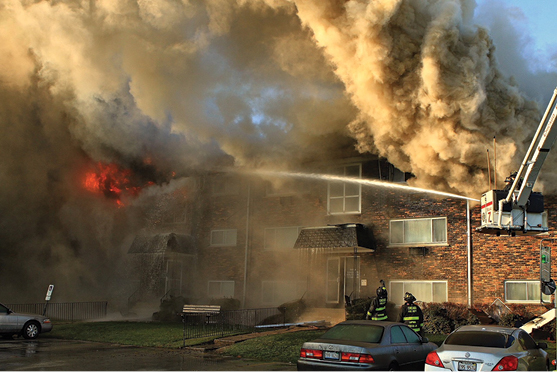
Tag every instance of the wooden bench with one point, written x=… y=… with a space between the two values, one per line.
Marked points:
x=200 y=310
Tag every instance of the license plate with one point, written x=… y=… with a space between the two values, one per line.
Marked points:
x=466 y=366
x=332 y=355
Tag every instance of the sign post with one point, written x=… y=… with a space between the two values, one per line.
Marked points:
x=48 y=296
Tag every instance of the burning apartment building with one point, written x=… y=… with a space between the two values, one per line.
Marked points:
x=141 y=139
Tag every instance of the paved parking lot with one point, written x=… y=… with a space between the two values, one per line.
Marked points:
x=49 y=354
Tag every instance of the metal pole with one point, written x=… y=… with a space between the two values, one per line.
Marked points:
x=469 y=253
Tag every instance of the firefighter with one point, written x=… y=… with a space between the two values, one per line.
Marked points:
x=378 y=307
x=411 y=314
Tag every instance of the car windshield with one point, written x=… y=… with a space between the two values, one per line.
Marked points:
x=355 y=332
x=480 y=338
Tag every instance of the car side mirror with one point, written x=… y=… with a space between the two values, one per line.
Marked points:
x=542 y=345
x=425 y=340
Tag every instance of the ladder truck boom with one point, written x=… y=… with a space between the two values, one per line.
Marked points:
x=517 y=208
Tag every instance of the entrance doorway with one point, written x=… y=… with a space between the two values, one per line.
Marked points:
x=343 y=278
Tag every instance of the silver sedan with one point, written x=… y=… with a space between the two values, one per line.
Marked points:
x=488 y=348
x=27 y=325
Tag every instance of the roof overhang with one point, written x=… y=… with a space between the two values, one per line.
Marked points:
x=344 y=238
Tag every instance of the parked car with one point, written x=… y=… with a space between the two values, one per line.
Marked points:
x=366 y=345
x=26 y=325
x=489 y=348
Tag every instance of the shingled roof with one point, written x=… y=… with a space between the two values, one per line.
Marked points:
x=337 y=238
x=160 y=243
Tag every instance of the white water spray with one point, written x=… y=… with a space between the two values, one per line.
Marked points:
x=366 y=182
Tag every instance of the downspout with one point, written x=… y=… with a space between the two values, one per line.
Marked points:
x=246 y=248
x=469 y=252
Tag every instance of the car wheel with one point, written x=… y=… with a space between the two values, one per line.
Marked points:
x=31 y=330
x=393 y=366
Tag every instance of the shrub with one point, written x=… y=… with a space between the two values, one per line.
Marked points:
x=226 y=303
x=170 y=309
x=443 y=318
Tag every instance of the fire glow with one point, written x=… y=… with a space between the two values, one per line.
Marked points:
x=111 y=180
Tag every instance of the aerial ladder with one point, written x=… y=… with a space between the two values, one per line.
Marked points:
x=517 y=208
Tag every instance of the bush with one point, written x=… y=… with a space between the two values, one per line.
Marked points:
x=226 y=303
x=443 y=318
x=170 y=309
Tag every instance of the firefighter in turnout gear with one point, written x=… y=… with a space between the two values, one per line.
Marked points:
x=378 y=307
x=411 y=314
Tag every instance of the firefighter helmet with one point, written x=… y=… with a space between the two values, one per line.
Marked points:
x=409 y=297
x=381 y=291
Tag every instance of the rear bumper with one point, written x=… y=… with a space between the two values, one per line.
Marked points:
x=311 y=365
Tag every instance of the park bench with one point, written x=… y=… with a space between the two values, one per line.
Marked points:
x=199 y=311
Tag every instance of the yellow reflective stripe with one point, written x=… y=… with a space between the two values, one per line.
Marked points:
x=380 y=308
x=379 y=317
x=411 y=318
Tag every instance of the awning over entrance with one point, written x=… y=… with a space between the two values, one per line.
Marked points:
x=345 y=238
x=160 y=243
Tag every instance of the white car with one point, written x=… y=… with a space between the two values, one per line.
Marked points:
x=488 y=348
x=27 y=325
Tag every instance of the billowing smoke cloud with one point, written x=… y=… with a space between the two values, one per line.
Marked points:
x=165 y=86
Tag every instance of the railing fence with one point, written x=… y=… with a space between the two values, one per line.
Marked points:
x=70 y=311
x=228 y=322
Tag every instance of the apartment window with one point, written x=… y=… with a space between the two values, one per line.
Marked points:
x=220 y=288
x=423 y=290
x=345 y=197
x=281 y=238
x=277 y=292
x=418 y=232
x=225 y=186
x=223 y=238
x=524 y=291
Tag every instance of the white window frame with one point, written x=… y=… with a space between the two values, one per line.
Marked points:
x=221 y=294
x=230 y=238
x=400 y=301
x=270 y=237
x=526 y=282
x=418 y=244
x=344 y=195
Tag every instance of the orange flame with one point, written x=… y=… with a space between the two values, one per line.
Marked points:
x=111 y=180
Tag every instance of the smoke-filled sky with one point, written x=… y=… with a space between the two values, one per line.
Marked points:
x=164 y=86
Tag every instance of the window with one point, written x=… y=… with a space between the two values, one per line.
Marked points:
x=423 y=290
x=345 y=197
x=418 y=232
x=225 y=186
x=524 y=291
x=277 y=292
x=281 y=238
x=220 y=288
x=223 y=238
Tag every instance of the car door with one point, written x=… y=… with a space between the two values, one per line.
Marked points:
x=8 y=322
x=402 y=350
x=532 y=354
x=416 y=348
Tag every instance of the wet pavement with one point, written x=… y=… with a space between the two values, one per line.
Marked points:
x=63 y=355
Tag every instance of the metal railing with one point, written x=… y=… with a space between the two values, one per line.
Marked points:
x=71 y=311
x=228 y=322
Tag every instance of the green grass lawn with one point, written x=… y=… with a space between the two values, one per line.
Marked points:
x=278 y=348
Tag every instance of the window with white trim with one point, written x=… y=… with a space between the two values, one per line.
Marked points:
x=277 y=292
x=220 y=288
x=524 y=291
x=418 y=231
x=224 y=238
x=281 y=238
x=345 y=197
x=423 y=290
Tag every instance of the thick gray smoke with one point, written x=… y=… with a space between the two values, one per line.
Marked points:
x=162 y=86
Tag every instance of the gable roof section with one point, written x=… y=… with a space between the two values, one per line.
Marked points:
x=345 y=238
x=161 y=243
